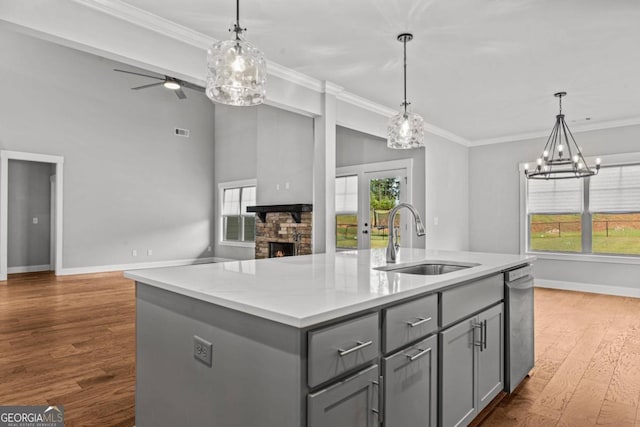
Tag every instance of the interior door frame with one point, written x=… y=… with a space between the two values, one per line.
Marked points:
x=58 y=162
x=364 y=169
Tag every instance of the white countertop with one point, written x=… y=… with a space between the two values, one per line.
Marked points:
x=305 y=290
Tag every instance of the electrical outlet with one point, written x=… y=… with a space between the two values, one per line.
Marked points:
x=149 y=252
x=134 y=252
x=208 y=248
x=35 y=220
x=202 y=350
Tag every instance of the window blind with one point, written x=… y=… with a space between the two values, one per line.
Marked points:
x=231 y=201
x=615 y=189
x=347 y=194
x=248 y=199
x=554 y=196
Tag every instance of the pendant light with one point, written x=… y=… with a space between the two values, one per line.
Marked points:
x=237 y=70
x=406 y=129
x=561 y=157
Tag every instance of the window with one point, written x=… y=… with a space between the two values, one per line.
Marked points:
x=238 y=225
x=614 y=202
x=347 y=212
x=555 y=215
x=596 y=215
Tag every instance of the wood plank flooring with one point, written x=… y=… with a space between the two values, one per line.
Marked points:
x=587 y=364
x=71 y=341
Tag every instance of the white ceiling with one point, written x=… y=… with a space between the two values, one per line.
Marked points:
x=484 y=70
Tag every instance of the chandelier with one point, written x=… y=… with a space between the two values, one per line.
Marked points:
x=561 y=157
x=405 y=129
x=237 y=70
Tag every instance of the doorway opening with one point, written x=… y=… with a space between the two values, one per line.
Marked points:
x=55 y=208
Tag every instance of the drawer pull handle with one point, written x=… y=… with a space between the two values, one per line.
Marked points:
x=419 y=322
x=360 y=346
x=418 y=355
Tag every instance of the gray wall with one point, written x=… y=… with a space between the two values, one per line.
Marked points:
x=129 y=183
x=440 y=190
x=495 y=207
x=29 y=198
x=273 y=146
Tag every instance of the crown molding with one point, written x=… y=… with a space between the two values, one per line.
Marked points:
x=331 y=88
x=374 y=107
x=450 y=136
x=358 y=101
x=634 y=121
x=149 y=21
x=293 y=76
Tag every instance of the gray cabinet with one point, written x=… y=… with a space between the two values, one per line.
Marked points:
x=349 y=403
x=411 y=385
x=472 y=366
x=340 y=348
x=491 y=358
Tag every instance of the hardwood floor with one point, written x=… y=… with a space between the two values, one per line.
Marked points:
x=71 y=341
x=587 y=364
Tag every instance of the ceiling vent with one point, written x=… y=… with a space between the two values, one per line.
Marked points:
x=182 y=132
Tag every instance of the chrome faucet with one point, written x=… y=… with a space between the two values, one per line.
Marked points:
x=393 y=246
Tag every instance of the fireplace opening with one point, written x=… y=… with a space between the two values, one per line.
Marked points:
x=280 y=249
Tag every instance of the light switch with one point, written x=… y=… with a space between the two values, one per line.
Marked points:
x=435 y=220
x=35 y=220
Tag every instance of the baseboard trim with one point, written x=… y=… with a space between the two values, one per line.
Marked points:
x=621 y=291
x=135 y=266
x=29 y=269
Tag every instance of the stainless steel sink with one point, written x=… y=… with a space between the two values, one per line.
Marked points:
x=428 y=268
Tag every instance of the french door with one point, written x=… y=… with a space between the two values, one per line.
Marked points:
x=365 y=194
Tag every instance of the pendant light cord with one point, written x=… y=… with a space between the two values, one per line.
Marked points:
x=404 y=42
x=236 y=27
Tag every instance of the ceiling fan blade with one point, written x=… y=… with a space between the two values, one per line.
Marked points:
x=149 y=85
x=192 y=86
x=138 y=74
x=180 y=93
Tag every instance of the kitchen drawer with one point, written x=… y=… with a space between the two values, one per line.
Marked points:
x=341 y=348
x=464 y=300
x=410 y=321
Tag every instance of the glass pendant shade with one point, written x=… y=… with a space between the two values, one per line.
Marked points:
x=405 y=130
x=237 y=73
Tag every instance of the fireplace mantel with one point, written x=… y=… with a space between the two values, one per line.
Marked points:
x=295 y=210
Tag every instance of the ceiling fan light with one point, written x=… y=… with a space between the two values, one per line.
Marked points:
x=172 y=84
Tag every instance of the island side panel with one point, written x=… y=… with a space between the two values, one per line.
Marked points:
x=256 y=377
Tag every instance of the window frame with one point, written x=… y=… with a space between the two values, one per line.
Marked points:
x=221 y=189
x=586 y=215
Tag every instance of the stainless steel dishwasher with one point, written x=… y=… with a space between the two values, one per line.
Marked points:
x=518 y=284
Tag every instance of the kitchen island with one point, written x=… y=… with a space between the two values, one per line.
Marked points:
x=319 y=340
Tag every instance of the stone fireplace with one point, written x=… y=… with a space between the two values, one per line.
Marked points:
x=282 y=230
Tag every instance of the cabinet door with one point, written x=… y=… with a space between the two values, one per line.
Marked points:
x=350 y=403
x=491 y=355
x=411 y=385
x=457 y=396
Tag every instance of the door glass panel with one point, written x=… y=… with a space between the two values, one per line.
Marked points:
x=347 y=212
x=384 y=194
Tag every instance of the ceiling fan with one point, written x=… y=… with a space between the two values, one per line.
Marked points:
x=169 y=82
